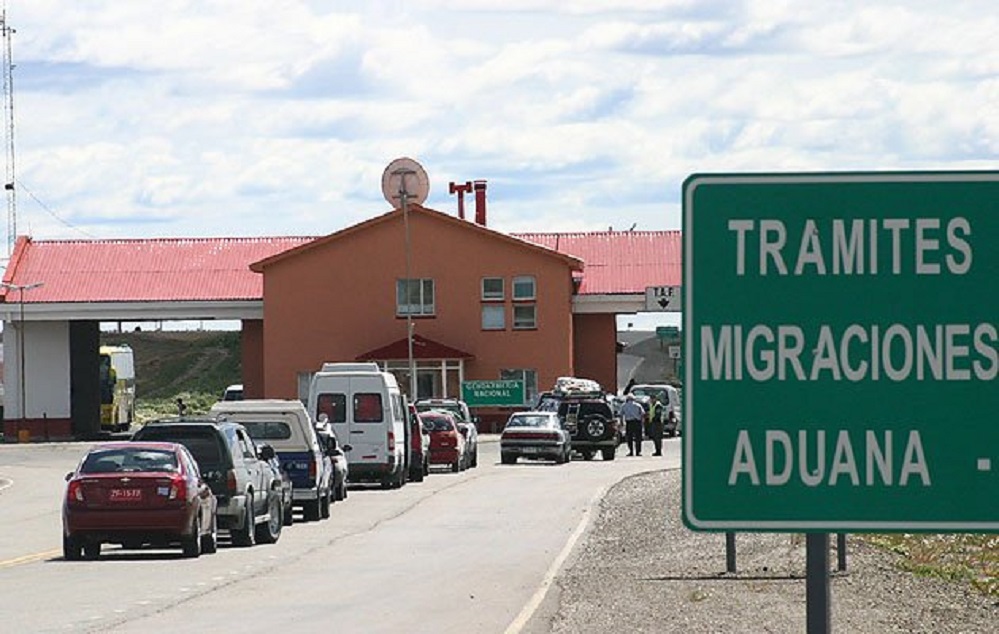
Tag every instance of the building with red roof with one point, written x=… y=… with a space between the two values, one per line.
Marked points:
x=482 y=305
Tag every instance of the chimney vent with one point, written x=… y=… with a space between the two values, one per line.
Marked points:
x=461 y=190
x=480 y=202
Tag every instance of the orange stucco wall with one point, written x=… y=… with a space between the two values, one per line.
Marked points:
x=336 y=300
x=252 y=358
x=595 y=346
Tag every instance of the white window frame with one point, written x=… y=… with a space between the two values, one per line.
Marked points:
x=520 y=280
x=494 y=309
x=424 y=307
x=492 y=296
x=522 y=325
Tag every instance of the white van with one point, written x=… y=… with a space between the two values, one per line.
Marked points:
x=366 y=409
x=286 y=426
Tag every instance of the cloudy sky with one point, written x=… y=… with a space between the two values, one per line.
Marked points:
x=136 y=118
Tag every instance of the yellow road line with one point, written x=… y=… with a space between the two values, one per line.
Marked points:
x=27 y=559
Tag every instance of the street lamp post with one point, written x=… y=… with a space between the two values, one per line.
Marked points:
x=20 y=288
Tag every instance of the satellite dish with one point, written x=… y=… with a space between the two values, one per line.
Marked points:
x=405 y=172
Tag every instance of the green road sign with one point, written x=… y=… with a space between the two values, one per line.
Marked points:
x=841 y=352
x=492 y=393
x=667 y=332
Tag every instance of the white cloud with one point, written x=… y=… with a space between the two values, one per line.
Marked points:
x=174 y=117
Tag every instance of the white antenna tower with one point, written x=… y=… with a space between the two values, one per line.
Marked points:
x=8 y=132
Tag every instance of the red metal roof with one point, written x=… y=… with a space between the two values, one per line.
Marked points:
x=423 y=348
x=619 y=262
x=174 y=269
x=573 y=262
x=218 y=269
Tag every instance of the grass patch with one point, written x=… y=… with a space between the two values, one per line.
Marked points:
x=970 y=558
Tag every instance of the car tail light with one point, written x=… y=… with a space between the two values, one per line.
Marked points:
x=230 y=481
x=391 y=441
x=74 y=493
x=178 y=488
x=313 y=469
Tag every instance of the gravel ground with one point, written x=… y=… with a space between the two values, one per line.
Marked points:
x=638 y=569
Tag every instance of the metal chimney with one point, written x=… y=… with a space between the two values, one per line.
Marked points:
x=480 y=202
x=461 y=190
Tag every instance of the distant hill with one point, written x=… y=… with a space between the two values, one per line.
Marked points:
x=645 y=358
x=168 y=363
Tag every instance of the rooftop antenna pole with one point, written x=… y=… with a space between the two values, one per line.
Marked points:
x=402 y=173
x=8 y=129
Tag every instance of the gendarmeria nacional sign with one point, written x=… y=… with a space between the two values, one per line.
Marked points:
x=841 y=351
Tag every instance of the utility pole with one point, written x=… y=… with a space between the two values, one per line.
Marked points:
x=20 y=288
x=8 y=129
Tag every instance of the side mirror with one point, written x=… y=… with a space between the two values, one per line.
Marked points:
x=336 y=451
x=266 y=452
x=69 y=476
x=347 y=447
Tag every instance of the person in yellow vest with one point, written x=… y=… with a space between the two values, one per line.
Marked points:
x=656 y=425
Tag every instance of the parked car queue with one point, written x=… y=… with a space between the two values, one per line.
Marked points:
x=244 y=469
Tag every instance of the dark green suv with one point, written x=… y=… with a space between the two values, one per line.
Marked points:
x=589 y=419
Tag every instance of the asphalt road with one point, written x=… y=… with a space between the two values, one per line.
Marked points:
x=468 y=552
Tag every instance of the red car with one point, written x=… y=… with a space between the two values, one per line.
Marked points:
x=447 y=445
x=134 y=494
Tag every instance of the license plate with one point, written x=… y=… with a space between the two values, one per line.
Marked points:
x=125 y=495
x=530 y=449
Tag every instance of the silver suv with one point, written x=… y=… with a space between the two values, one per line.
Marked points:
x=249 y=493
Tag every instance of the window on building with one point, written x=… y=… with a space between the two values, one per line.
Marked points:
x=414 y=297
x=524 y=288
x=525 y=317
x=530 y=379
x=493 y=317
x=492 y=289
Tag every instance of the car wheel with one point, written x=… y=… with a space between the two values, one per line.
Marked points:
x=324 y=505
x=594 y=427
x=210 y=540
x=72 y=549
x=289 y=515
x=508 y=458
x=270 y=531
x=311 y=509
x=416 y=475
x=343 y=490
x=191 y=544
x=91 y=550
x=456 y=466
x=475 y=458
x=609 y=453
x=244 y=536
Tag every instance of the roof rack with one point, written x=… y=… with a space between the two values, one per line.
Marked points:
x=576 y=387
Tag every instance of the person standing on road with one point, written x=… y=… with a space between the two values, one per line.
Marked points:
x=656 y=425
x=633 y=414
